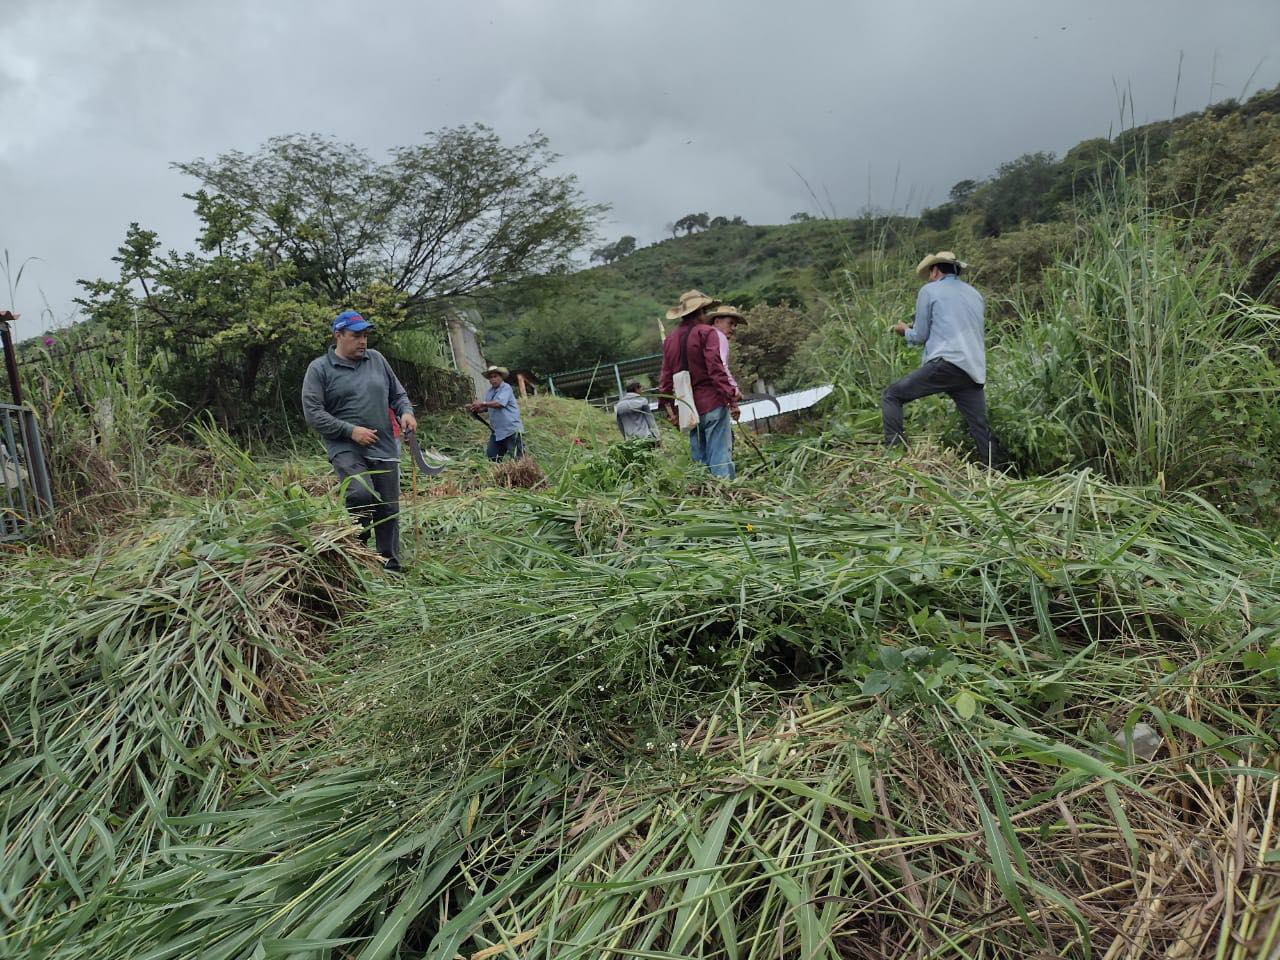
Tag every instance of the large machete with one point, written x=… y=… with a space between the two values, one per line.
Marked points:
x=420 y=459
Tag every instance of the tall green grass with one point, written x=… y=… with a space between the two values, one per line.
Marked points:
x=1140 y=356
x=1155 y=362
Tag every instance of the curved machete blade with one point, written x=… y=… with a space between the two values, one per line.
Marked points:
x=763 y=396
x=420 y=460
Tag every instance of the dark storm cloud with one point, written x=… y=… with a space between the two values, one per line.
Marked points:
x=660 y=108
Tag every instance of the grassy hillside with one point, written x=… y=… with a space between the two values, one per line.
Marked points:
x=751 y=264
x=1215 y=168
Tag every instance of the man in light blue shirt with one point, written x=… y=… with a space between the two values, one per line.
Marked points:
x=506 y=432
x=948 y=324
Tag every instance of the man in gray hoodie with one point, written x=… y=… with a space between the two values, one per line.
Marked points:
x=348 y=397
x=634 y=418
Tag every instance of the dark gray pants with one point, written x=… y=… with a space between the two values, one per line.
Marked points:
x=512 y=446
x=941 y=376
x=373 y=497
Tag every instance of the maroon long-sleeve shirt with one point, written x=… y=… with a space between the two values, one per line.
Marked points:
x=711 y=384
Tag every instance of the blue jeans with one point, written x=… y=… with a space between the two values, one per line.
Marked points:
x=511 y=446
x=711 y=441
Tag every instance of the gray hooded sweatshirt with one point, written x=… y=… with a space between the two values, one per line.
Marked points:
x=634 y=418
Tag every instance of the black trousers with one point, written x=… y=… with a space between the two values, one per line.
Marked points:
x=512 y=446
x=373 y=497
x=941 y=376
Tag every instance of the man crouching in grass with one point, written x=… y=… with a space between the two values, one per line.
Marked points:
x=348 y=396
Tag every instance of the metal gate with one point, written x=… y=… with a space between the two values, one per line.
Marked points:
x=26 y=496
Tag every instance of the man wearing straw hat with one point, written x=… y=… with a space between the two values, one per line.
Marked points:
x=349 y=396
x=694 y=346
x=506 y=432
x=948 y=324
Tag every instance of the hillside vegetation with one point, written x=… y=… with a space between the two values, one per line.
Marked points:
x=1215 y=169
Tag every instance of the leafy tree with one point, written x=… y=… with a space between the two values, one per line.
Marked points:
x=307 y=226
x=717 y=222
x=801 y=217
x=441 y=219
x=1022 y=191
x=564 y=334
x=693 y=221
x=763 y=348
x=1085 y=166
x=614 y=251
x=222 y=314
x=962 y=191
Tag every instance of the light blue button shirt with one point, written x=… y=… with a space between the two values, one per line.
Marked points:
x=504 y=420
x=949 y=326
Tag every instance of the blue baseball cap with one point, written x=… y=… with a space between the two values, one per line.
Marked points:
x=351 y=321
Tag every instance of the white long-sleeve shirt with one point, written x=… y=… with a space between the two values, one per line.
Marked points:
x=724 y=358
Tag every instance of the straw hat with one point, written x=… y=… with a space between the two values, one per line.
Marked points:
x=942 y=256
x=690 y=301
x=725 y=310
x=500 y=371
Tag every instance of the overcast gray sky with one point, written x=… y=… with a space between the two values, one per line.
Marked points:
x=660 y=107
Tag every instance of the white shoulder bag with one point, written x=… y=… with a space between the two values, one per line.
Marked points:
x=682 y=387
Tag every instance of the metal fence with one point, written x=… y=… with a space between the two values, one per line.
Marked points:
x=603 y=383
x=26 y=496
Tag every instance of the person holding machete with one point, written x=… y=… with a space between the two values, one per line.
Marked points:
x=506 y=431
x=348 y=397
x=693 y=349
x=949 y=326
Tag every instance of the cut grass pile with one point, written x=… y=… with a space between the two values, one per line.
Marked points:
x=140 y=687
x=849 y=707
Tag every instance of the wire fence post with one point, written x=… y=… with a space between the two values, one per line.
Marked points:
x=10 y=357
